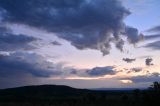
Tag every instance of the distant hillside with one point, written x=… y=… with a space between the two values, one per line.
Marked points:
x=57 y=95
x=117 y=89
x=42 y=90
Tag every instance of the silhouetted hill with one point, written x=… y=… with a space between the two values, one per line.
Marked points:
x=43 y=90
x=58 y=95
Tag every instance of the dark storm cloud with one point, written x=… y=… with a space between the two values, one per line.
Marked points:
x=148 y=61
x=101 y=71
x=154 y=45
x=154 y=29
x=22 y=64
x=56 y=43
x=133 y=35
x=86 y=24
x=128 y=60
x=11 y=42
x=3 y=29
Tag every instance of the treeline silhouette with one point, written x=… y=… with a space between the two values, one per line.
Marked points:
x=53 y=95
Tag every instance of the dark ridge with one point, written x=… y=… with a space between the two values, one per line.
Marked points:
x=42 y=90
x=60 y=95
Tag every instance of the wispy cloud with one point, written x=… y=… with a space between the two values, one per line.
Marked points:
x=153 y=45
x=151 y=37
x=154 y=29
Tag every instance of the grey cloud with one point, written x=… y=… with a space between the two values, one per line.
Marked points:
x=154 y=29
x=86 y=24
x=56 y=43
x=151 y=37
x=128 y=60
x=21 y=64
x=2 y=14
x=154 y=45
x=133 y=35
x=74 y=71
x=144 y=78
x=119 y=44
x=156 y=74
x=135 y=70
x=148 y=61
x=4 y=29
x=101 y=71
x=11 y=42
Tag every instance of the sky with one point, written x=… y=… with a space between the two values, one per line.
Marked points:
x=80 y=43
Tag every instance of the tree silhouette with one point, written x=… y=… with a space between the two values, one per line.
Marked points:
x=155 y=86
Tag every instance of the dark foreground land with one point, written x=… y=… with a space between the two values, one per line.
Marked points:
x=52 y=95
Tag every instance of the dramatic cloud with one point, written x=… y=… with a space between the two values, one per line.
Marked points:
x=148 y=61
x=24 y=64
x=154 y=45
x=11 y=42
x=56 y=43
x=128 y=60
x=21 y=64
x=133 y=36
x=154 y=29
x=101 y=71
x=86 y=24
